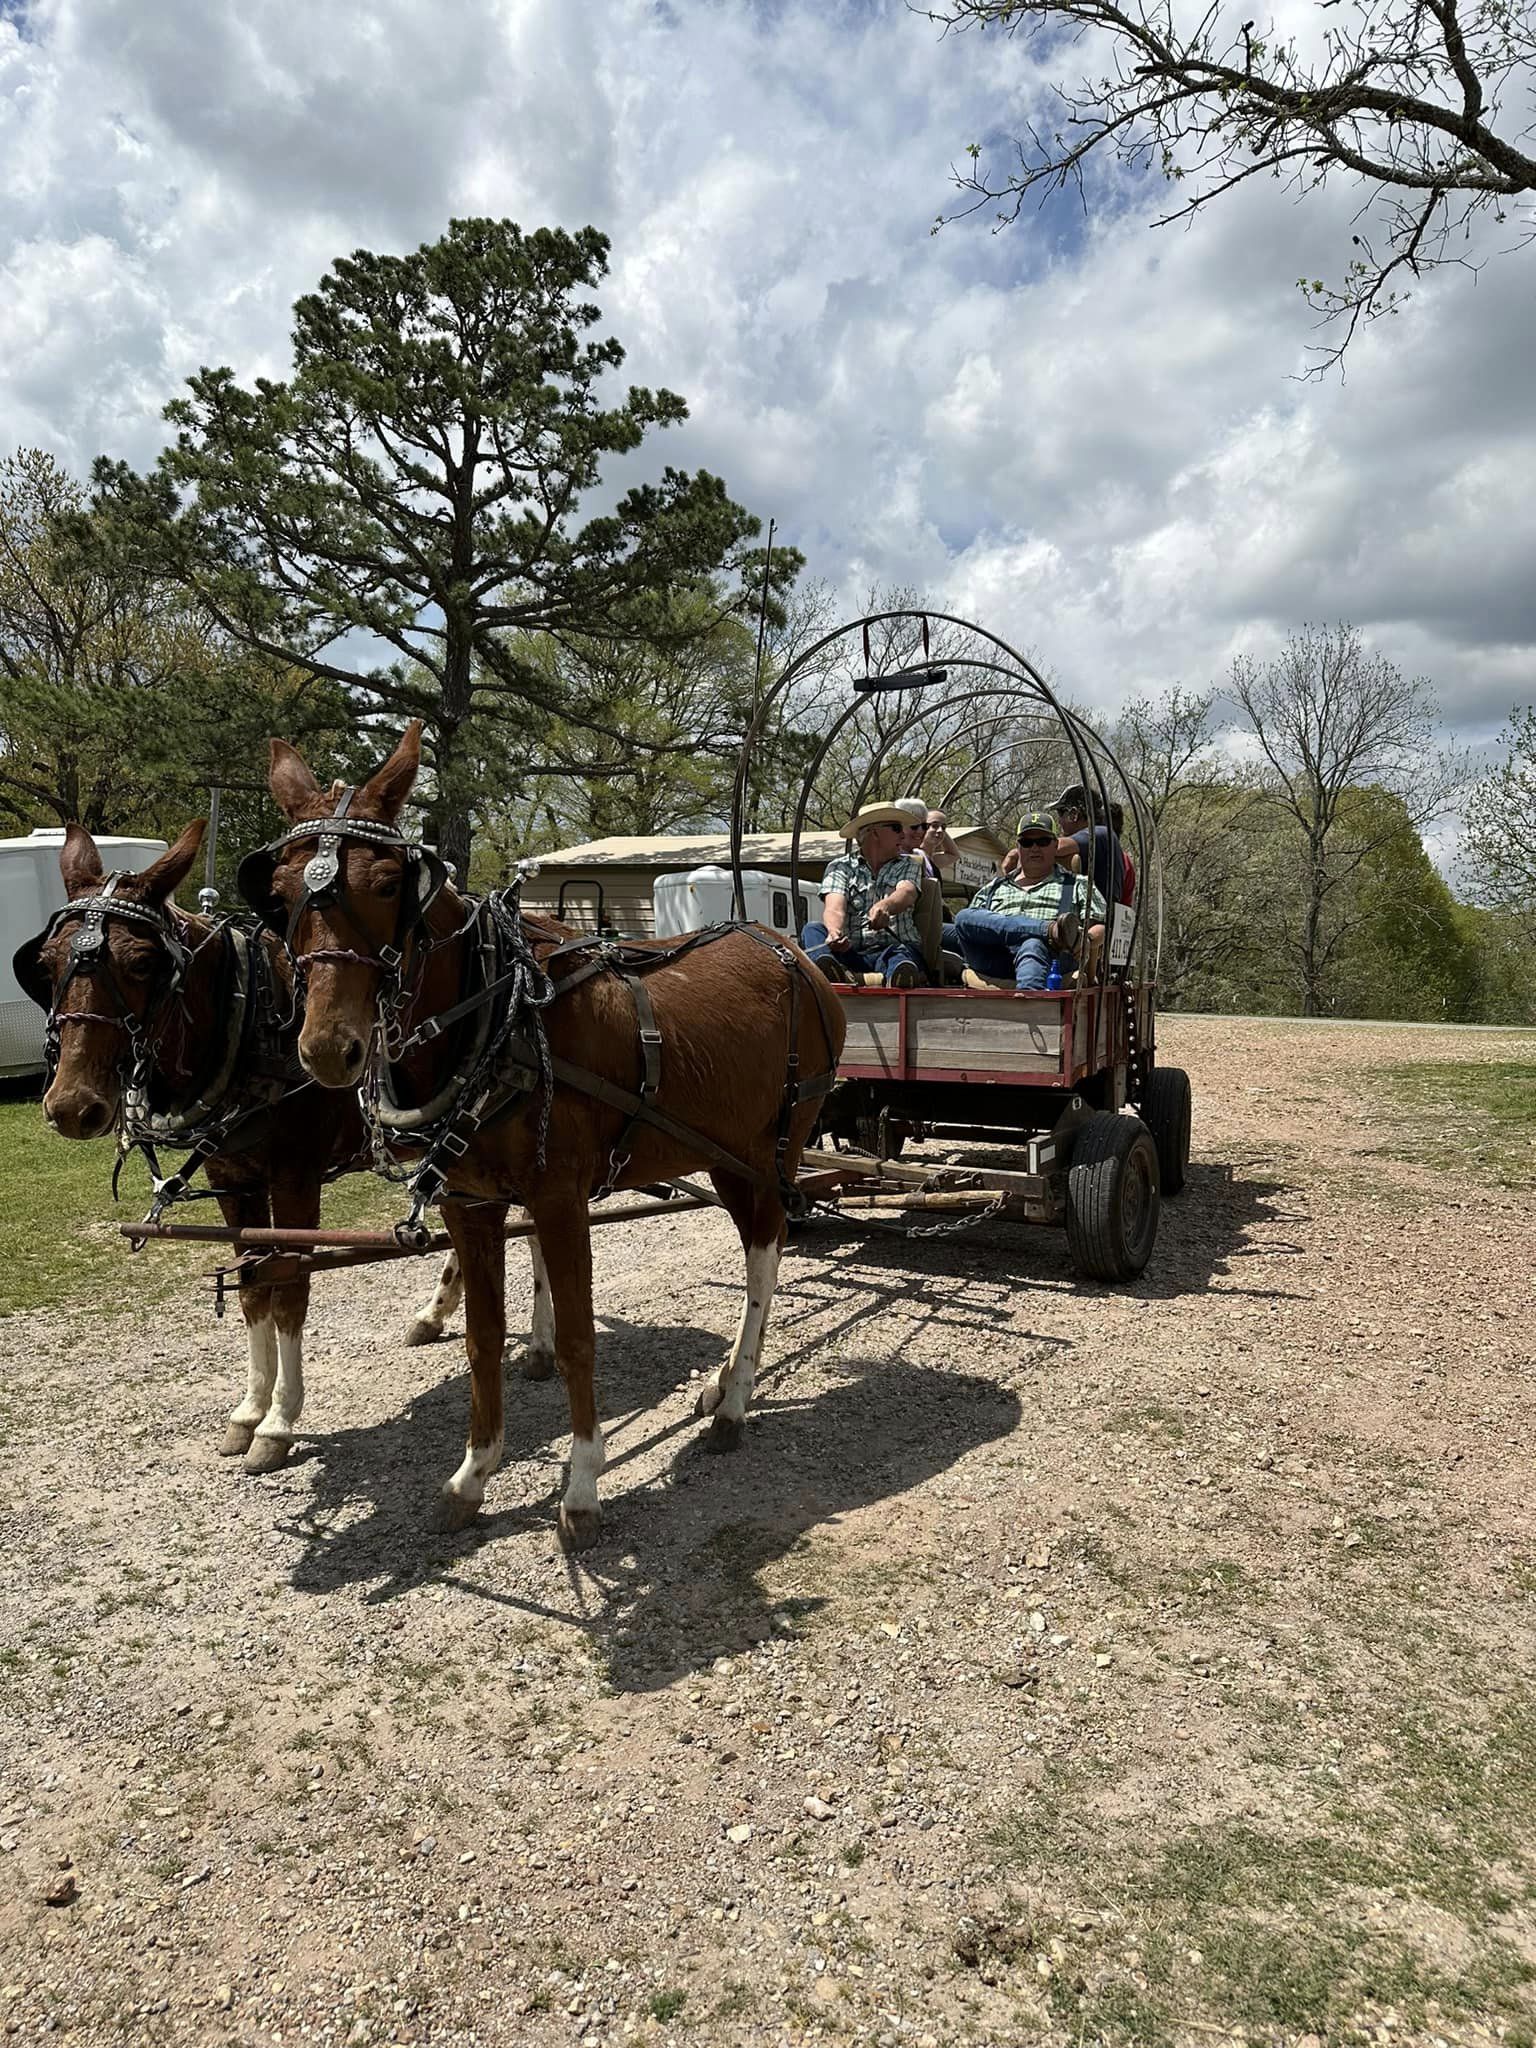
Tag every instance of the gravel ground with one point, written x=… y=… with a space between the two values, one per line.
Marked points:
x=1051 y=1663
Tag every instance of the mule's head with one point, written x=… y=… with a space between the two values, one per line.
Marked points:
x=103 y=990
x=347 y=925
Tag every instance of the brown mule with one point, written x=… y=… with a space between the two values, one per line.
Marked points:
x=726 y=1013
x=166 y=981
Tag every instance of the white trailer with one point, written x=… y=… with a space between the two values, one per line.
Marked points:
x=31 y=890
x=687 y=901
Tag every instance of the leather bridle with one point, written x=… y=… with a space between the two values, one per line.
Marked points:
x=323 y=888
x=90 y=958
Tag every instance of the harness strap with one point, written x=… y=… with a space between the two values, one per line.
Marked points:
x=650 y=1079
x=609 y=1093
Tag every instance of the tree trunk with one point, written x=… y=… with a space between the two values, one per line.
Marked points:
x=452 y=809
x=1317 y=881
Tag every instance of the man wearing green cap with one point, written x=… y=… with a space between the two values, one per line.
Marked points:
x=1019 y=922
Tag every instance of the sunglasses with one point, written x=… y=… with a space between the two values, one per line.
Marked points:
x=1037 y=842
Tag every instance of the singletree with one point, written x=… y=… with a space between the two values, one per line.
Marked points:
x=427 y=487
x=1423 y=105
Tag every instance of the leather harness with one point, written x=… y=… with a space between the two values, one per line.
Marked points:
x=511 y=1057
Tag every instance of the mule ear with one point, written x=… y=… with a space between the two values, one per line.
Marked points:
x=293 y=788
x=79 y=862
x=166 y=876
x=389 y=786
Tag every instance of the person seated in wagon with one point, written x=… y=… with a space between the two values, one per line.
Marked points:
x=1020 y=922
x=868 y=896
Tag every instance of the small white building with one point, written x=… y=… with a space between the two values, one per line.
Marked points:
x=31 y=890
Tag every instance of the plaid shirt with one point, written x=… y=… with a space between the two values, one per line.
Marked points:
x=1007 y=896
x=850 y=875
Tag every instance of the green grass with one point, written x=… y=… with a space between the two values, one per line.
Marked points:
x=59 y=1223
x=1478 y=1116
x=1313 y=1925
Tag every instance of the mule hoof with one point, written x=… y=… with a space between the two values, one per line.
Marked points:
x=723 y=1434
x=709 y=1398
x=579 y=1527
x=268 y=1453
x=537 y=1365
x=423 y=1332
x=237 y=1439
x=453 y=1513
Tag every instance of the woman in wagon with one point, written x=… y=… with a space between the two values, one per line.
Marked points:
x=868 y=896
x=1020 y=922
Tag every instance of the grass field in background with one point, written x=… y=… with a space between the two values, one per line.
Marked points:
x=1479 y=1114
x=60 y=1229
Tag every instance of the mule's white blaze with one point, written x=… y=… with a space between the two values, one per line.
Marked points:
x=446 y=1296
x=260 y=1372
x=480 y=1461
x=541 y=1338
x=587 y=1461
x=740 y=1369
x=282 y=1416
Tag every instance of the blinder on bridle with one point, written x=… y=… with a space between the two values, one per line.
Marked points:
x=324 y=884
x=90 y=956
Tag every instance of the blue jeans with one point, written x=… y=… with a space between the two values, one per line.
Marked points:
x=1006 y=945
x=872 y=959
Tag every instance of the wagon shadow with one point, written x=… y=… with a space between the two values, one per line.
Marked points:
x=1203 y=1233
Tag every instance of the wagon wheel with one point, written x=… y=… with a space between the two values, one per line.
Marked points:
x=873 y=1133
x=1165 y=1110
x=1112 y=1198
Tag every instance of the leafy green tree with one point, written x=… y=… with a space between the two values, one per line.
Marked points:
x=428 y=483
x=119 y=705
x=1498 y=841
x=1400 y=946
x=1330 y=718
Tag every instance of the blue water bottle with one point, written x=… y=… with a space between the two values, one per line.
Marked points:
x=1053 y=978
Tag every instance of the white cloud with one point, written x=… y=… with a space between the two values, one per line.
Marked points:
x=1088 y=434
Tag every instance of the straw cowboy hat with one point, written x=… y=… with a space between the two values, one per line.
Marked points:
x=873 y=814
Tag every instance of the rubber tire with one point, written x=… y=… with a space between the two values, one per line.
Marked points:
x=1165 y=1110
x=866 y=1135
x=1112 y=1198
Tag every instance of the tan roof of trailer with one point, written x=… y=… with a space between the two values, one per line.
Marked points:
x=668 y=850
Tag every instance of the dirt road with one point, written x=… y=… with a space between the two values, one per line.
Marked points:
x=1052 y=1662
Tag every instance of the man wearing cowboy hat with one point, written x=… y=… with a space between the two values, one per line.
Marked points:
x=867 y=900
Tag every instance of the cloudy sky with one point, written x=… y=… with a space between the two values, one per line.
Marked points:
x=1090 y=435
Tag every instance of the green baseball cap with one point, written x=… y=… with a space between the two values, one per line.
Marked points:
x=1039 y=821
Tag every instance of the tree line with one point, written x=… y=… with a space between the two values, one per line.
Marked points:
x=437 y=515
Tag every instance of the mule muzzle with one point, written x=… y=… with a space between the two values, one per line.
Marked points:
x=335 y=1056
x=75 y=1111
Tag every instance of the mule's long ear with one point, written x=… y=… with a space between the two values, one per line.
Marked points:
x=79 y=862
x=389 y=786
x=166 y=876
x=293 y=788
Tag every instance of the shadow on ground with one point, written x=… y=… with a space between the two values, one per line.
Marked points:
x=1225 y=1214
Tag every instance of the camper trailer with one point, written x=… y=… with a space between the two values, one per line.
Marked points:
x=31 y=890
